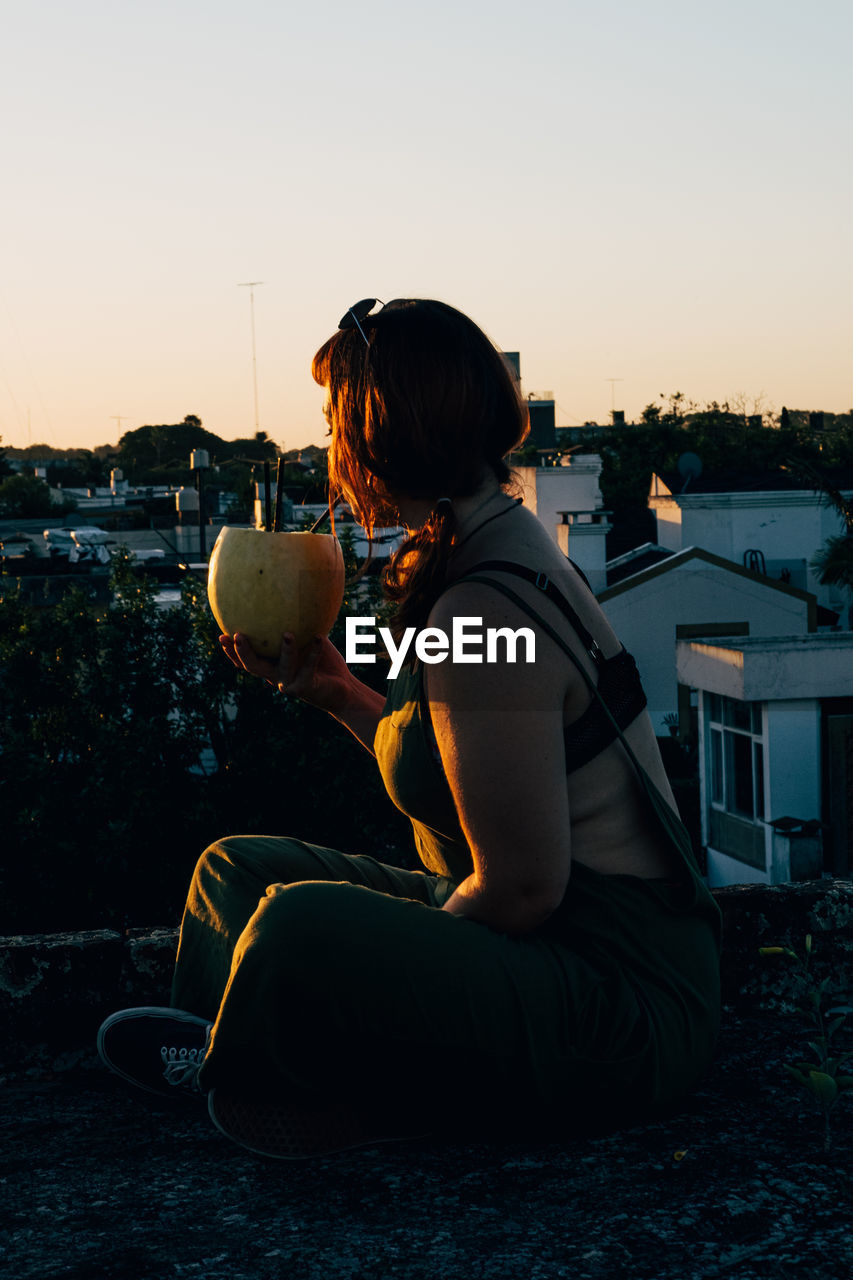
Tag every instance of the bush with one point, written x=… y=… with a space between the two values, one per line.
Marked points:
x=128 y=743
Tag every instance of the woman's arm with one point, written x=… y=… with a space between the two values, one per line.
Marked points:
x=318 y=676
x=499 y=731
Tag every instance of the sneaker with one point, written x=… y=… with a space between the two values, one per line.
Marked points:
x=293 y=1133
x=159 y=1050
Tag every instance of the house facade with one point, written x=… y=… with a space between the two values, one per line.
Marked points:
x=774 y=530
x=567 y=499
x=694 y=593
x=775 y=724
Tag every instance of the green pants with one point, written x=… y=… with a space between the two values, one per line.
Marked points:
x=336 y=977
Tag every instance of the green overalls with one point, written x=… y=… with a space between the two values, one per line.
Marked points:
x=336 y=977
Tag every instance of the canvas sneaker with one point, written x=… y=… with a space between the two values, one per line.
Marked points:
x=156 y=1049
x=289 y=1132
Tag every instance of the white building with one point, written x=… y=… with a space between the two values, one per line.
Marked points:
x=777 y=531
x=690 y=594
x=775 y=747
x=567 y=499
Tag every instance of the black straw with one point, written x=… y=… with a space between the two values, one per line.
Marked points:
x=326 y=514
x=279 y=494
x=267 y=498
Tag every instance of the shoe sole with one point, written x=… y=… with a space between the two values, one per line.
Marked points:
x=292 y=1133
x=178 y=1015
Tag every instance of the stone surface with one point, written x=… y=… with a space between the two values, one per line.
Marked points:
x=52 y=994
x=99 y=1182
x=756 y=916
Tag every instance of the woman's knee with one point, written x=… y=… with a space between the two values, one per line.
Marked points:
x=247 y=859
x=321 y=928
x=313 y=910
x=216 y=860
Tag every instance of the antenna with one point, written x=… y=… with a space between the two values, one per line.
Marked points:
x=613 y=382
x=251 y=285
x=119 y=418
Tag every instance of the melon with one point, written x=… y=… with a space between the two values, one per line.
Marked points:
x=263 y=584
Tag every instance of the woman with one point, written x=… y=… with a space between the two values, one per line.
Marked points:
x=555 y=967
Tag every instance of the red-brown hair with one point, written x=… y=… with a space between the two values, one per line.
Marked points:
x=421 y=412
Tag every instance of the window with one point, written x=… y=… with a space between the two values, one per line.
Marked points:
x=736 y=756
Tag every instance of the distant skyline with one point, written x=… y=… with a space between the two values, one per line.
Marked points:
x=658 y=194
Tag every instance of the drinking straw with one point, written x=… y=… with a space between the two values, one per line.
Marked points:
x=267 y=498
x=279 y=494
x=321 y=519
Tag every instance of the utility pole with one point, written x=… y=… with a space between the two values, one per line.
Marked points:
x=251 y=285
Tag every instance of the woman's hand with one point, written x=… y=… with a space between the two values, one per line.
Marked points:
x=316 y=674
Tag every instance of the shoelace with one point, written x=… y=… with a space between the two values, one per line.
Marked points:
x=180 y=1066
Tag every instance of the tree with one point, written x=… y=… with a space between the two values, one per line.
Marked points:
x=5 y=468
x=27 y=497
x=725 y=438
x=161 y=453
x=833 y=564
x=127 y=744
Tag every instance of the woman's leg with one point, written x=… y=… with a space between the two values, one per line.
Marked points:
x=231 y=880
x=342 y=994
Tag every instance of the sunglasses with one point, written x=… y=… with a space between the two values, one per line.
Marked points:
x=360 y=311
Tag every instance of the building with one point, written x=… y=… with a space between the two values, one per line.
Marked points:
x=694 y=593
x=567 y=499
x=775 y=722
x=771 y=522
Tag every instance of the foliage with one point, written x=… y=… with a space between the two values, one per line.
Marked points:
x=726 y=438
x=526 y=456
x=824 y=1077
x=5 y=468
x=161 y=454
x=27 y=497
x=834 y=562
x=157 y=454
x=128 y=743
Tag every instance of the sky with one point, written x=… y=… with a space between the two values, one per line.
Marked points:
x=656 y=192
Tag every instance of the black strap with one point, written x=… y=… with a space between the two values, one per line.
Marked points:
x=544 y=584
x=669 y=819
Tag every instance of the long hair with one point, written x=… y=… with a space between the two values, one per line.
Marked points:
x=420 y=412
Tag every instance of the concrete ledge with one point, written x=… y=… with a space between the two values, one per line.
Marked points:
x=756 y=916
x=55 y=989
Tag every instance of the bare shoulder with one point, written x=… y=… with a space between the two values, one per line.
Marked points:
x=495 y=651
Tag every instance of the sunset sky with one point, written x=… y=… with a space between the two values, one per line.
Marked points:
x=660 y=192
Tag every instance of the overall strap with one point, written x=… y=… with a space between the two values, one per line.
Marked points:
x=668 y=818
x=544 y=584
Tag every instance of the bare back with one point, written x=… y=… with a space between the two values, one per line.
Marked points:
x=610 y=827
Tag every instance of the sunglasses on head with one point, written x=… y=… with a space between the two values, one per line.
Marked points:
x=360 y=311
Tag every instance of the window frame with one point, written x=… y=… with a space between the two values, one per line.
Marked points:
x=725 y=733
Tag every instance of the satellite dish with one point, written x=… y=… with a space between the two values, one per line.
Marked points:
x=689 y=468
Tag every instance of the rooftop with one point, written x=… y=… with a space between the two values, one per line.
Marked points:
x=719 y=482
x=769 y=668
x=100 y=1182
